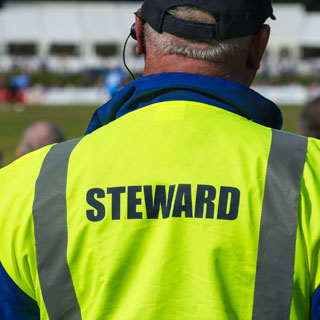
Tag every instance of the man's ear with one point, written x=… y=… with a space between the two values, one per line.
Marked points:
x=139 y=33
x=258 y=47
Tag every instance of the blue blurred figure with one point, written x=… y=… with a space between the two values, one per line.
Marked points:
x=16 y=91
x=113 y=81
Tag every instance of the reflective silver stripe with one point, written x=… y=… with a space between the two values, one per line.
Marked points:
x=51 y=234
x=276 y=251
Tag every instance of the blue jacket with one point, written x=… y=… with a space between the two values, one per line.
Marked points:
x=222 y=93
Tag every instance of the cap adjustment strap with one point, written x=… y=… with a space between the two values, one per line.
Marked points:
x=188 y=30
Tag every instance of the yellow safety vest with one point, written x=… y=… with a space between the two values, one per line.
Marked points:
x=179 y=210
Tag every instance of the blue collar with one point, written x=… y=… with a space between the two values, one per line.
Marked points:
x=222 y=93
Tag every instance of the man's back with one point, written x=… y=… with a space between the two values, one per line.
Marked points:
x=163 y=222
x=183 y=201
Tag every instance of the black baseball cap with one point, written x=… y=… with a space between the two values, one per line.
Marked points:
x=234 y=18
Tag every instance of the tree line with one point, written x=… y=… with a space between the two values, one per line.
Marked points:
x=312 y=5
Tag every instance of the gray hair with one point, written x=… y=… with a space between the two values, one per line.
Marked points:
x=219 y=51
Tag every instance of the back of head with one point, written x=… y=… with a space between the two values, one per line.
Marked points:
x=213 y=30
x=218 y=51
x=217 y=31
x=233 y=18
x=309 y=123
x=38 y=135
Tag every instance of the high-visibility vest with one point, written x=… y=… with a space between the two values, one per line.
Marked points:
x=179 y=210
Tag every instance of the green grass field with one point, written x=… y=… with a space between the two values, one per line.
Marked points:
x=74 y=121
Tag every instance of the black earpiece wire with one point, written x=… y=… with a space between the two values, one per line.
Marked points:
x=124 y=57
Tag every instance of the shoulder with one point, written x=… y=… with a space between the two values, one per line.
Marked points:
x=17 y=244
x=309 y=210
x=21 y=174
x=311 y=176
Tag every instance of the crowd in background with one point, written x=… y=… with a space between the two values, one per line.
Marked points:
x=31 y=76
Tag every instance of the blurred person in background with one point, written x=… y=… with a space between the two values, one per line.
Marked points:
x=38 y=135
x=182 y=201
x=113 y=81
x=309 y=122
x=17 y=86
x=3 y=94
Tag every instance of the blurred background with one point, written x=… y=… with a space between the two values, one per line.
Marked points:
x=59 y=60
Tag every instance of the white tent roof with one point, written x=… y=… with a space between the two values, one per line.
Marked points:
x=286 y=29
x=67 y=22
x=61 y=23
x=20 y=24
x=92 y=22
x=126 y=10
x=311 y=31
x=100 y=22
x=107 y=22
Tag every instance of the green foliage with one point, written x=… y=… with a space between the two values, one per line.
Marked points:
x=75 y=0
x=304 y=80
x=310 y=4
x=52 y=79
x=86 y=79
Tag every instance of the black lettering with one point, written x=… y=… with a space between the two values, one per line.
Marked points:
x=223 y=203
x=133 y=201
x=116 y=197
x=183 y=201
x=160 y=199
x=99 y=213
x=205 y=196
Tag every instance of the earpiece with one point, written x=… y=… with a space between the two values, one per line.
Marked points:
x=133 y=33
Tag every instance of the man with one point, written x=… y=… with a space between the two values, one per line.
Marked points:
x=38 y=135
x=309 y=122
x=183 y=201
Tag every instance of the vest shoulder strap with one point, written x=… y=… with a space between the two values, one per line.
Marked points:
x=51 y=234
x=278 y=227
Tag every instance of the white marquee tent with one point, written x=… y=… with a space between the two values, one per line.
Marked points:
x=19 y=24
x=311 y=31
x=84 y=26
x=286 y=30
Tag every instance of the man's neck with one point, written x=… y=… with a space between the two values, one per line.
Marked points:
x=174 y=63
